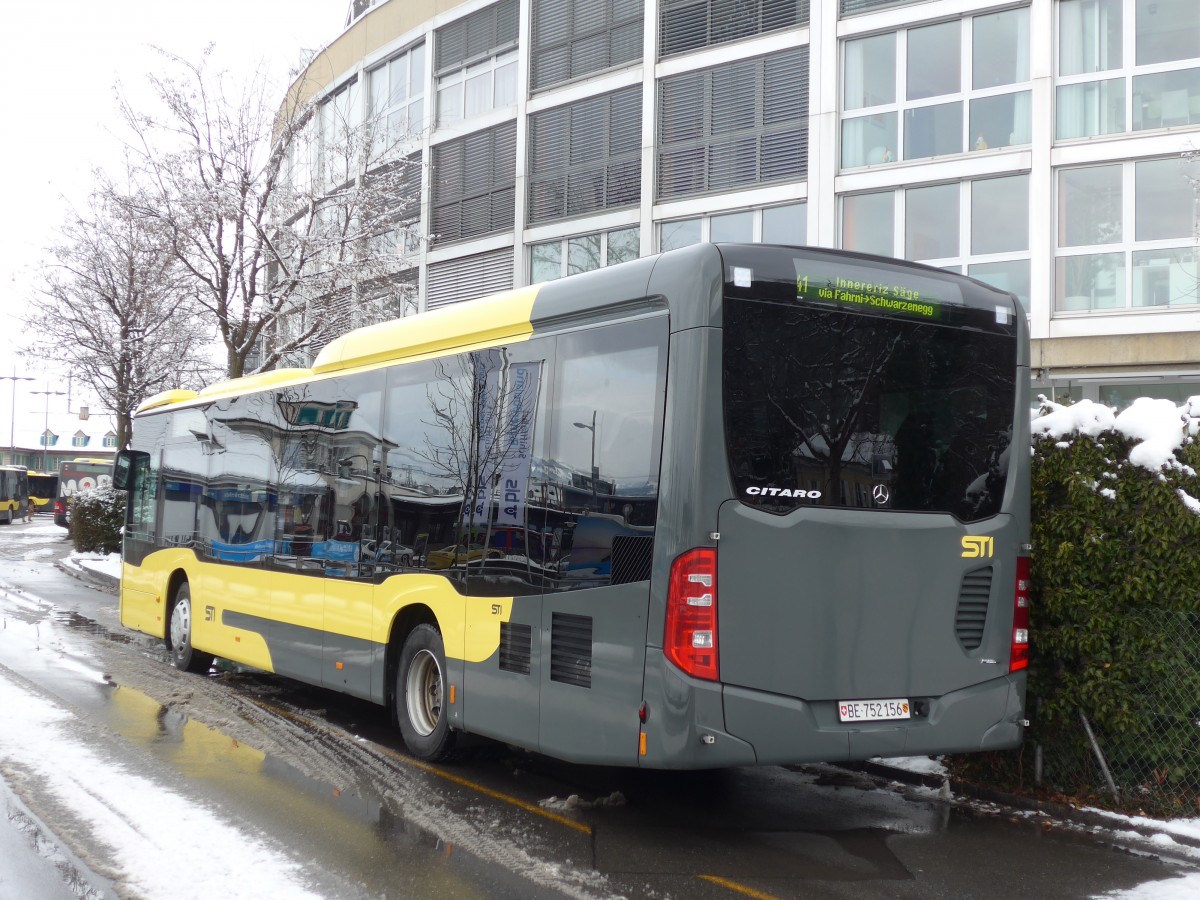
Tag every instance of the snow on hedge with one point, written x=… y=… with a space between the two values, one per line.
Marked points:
x=1158 y=427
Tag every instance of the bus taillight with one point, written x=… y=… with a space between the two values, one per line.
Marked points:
x=1019 y=658
x=690 y=638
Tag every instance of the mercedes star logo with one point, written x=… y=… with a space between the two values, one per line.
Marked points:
x=881 y=494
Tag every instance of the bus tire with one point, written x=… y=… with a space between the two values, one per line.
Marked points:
x=183 y=655
x=421 y=696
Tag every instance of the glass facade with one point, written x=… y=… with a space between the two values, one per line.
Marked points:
x=1127 y=65
x=1037 y=146
x=937 y=90
x=1126 y=237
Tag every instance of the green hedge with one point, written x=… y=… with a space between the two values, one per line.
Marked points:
x=1115 y=626
x=96 y=519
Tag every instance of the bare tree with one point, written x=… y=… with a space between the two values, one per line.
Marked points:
x=110 y=303
x=267 y=206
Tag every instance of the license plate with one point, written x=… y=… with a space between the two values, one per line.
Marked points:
x=873 y=710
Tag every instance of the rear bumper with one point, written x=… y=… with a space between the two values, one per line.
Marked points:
x=986 y=716
x=699 y=724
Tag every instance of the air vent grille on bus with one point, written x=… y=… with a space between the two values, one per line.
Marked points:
x=571 y=649
x=971 y=614
x=516 y=643
x=631 y=557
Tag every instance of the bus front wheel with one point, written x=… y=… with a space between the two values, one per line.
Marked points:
x=421 y=695
x=179 y=635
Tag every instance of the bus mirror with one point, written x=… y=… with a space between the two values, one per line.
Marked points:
x=124 y=466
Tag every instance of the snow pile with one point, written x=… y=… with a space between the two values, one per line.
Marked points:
x=103 y=563
x=1084 y=417
x=616 y=798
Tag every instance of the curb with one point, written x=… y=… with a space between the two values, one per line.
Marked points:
x=1085 y=817
x=96 y=579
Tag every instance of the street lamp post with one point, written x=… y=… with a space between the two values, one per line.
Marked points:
x=594 y=473
x=46 y=426
x=12 y=422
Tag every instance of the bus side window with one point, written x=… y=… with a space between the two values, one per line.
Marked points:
x=605 y=443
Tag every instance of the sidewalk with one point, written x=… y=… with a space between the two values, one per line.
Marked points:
x=1162 y=833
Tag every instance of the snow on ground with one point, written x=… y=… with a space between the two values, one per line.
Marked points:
x=922 y=765
x=109 y=564
x=150 y=830
x=1186 y=887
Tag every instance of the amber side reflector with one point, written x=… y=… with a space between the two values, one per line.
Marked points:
x=452 y=694
x=642 y=743
x=339 y=665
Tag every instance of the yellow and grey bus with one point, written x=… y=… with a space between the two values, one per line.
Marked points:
x=727 y=505
x=14 y=493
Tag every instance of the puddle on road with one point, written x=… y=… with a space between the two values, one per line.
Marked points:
x=75 y=621
x=351 y=833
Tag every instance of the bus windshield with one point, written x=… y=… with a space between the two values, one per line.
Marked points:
x=896 y=403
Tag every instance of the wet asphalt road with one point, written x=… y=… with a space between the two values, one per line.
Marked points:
x=327 y=779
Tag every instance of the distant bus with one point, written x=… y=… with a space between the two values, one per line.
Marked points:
x=43 y=490
x=75 y=475
x=729 y=505
x=14 y=493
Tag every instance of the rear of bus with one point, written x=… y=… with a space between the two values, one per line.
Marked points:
x=75 y=475
x=854 y=577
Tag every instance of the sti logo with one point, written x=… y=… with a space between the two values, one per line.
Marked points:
x=976 y=546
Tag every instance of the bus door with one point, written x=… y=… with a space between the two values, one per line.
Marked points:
x=606 y=413
x=223 y=465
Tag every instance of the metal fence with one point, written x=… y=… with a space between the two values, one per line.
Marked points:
x=1153 y=764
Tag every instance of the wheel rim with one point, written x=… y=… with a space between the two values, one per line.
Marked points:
x=181 y=626
x=424 y=693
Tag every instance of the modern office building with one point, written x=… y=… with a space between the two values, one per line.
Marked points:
x=1040 y=146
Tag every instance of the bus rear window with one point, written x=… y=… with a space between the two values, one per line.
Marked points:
x=833 y=407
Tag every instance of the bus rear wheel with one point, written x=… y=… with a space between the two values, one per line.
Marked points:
x=421 y=696
x=179 y=635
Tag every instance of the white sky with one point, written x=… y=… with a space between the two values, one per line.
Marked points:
x=59 y=62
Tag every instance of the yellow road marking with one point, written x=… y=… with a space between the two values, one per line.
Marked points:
x=455 y=779
x=738 y=888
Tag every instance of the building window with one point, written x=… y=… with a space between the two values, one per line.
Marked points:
x=854 y=7
x=979 y=227
x=1125 y=237
x=573 y=38
x=398 y=100
x=337 y=148
x=569 y=256
x=787 y=225
x=686 y=25
x=397 y=233
x=1127 y=65
x=475 y=62
x=110 y=440
x=80 y=439
x=474 y=183
x=389 y=297
x=47 y=439
x=468 y=277
x=915 y=93
x=586 y=156
x=724 y=128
